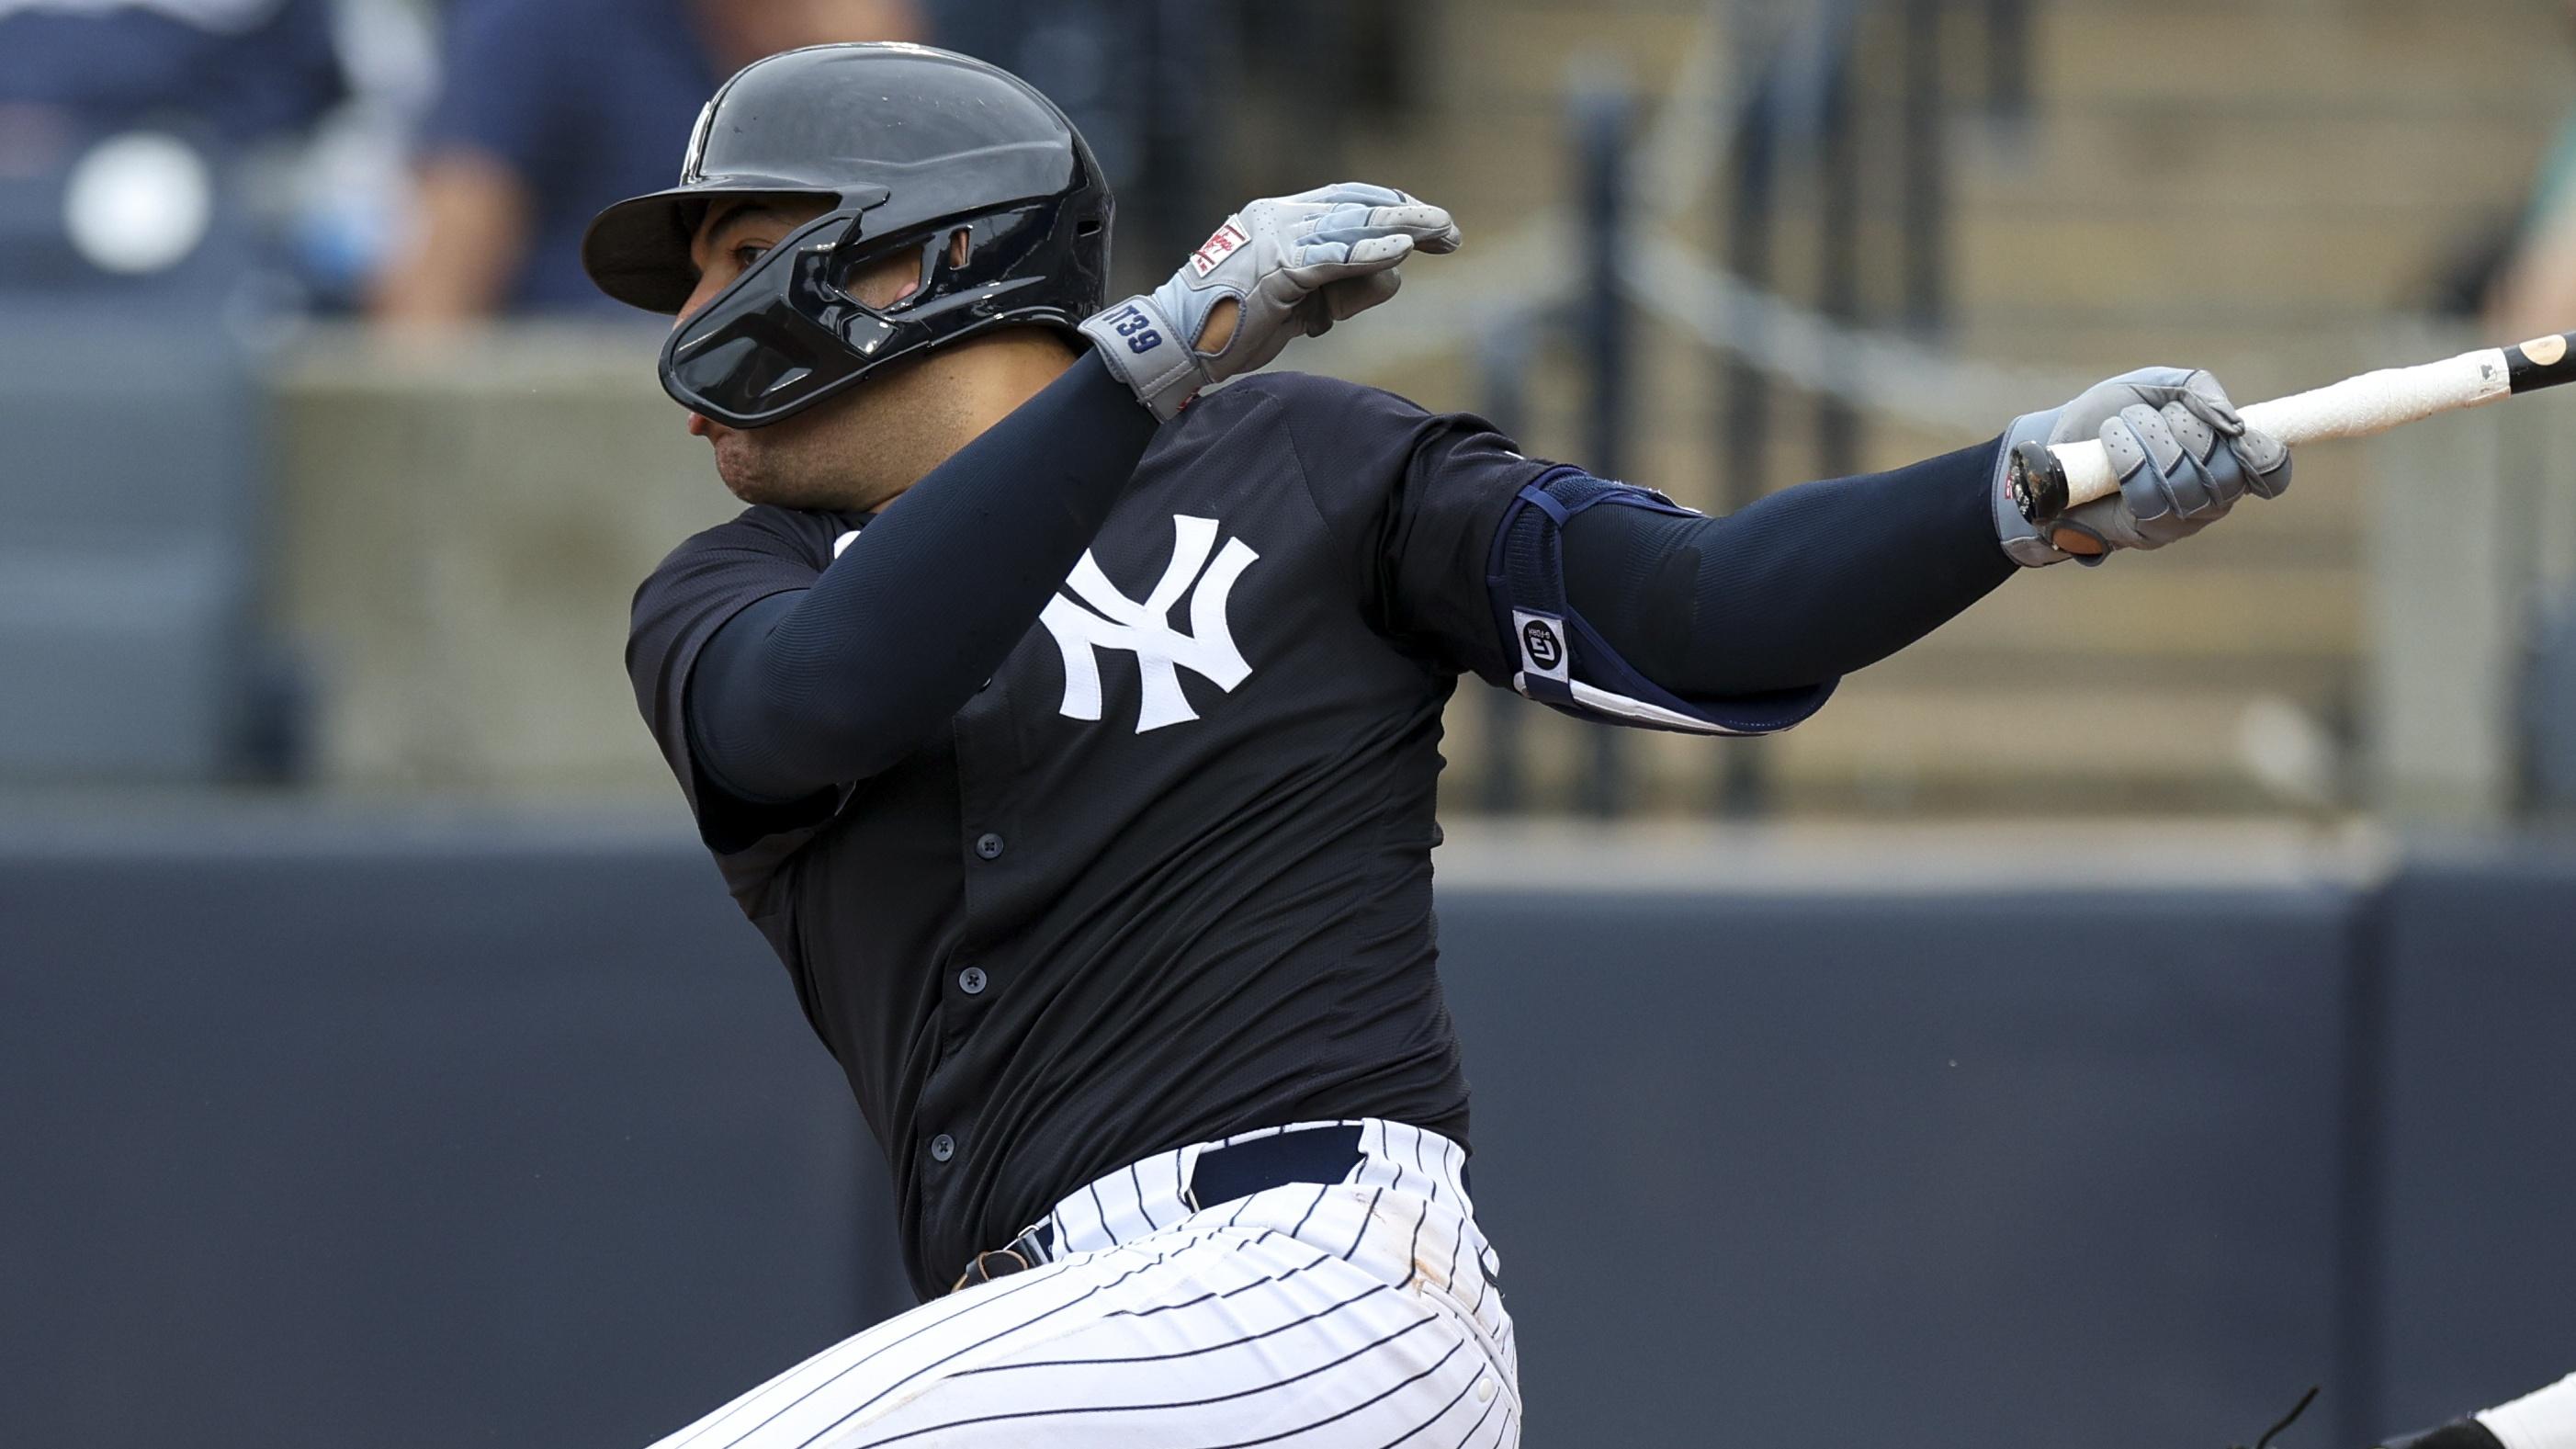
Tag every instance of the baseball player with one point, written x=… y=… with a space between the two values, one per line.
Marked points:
x=1070 y=729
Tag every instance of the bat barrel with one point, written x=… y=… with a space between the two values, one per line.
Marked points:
x=2541 y=362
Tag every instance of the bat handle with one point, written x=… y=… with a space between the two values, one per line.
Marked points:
x=2047 y=481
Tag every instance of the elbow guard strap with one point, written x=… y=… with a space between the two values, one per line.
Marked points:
x=1562 y=661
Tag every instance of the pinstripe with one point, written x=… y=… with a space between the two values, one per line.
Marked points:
x=1443 y=1414
x=952 y=1320
x=1099 y=1209
x=1315 y=1317
x=1319 y=1260
x=1365 y=1219
x=1142 y=1211
x=1490 y=1405
x=1456 y=1245
x=1353 y=1409
x=1189 y=1403
x=1086 y=1295
x=1320 y=1194
x=1231 y=1325
x=1034 y=1281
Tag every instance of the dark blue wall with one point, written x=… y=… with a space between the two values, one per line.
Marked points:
x=2478 y=1296
x=1909 y=1171
x=358 y=1133
x=327 y=1146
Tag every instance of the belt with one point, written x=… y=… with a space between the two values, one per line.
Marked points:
x=1317 y=1155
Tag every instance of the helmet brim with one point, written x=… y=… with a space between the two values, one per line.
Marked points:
x=638 y=249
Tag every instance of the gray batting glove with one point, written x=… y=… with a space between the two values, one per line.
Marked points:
x=2182 y=453
x=1295 y=264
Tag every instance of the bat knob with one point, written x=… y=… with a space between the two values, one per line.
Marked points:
x=2038 y=484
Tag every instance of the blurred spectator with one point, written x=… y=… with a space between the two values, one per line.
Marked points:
x=550 y=110
x=2532 y=290
x=123 y=128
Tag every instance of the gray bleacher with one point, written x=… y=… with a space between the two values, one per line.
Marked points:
x=130 y=437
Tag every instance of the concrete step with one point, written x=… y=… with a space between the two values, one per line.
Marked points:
x=2224 y=49
x=2095 y=260
x=2123 y=158
x=1484 y=52
x=1892 y=746
x=2141 y=744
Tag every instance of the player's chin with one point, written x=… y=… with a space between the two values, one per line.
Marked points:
x=755 y=471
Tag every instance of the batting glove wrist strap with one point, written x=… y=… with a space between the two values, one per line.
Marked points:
x=2023 y=543
x=1141 y=347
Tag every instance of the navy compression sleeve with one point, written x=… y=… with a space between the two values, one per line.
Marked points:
x=1799 y=589
x=807 y=690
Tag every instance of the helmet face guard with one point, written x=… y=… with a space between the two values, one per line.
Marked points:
x=905 y=147
x=787 y=333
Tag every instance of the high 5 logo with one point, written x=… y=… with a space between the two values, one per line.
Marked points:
x=1144 y=627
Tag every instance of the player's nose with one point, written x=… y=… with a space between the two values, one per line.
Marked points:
x=699 y=427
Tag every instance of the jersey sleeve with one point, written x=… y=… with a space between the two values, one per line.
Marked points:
x=1419 y=496
x=694 y=593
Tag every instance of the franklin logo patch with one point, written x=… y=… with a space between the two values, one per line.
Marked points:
x=1540 y=641
x=1229 y=239
x=1542 y=644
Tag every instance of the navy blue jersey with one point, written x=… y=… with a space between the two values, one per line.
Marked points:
x=1168 y=876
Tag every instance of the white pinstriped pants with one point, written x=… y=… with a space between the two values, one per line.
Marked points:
x=1360 y=1315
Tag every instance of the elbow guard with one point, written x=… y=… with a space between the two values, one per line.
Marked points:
x=1563 y=662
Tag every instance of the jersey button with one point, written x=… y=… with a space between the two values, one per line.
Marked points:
x=942 y=1147
x=971 y=980
x=989 y=846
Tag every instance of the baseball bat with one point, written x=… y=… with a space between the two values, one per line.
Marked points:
x=2047 y=481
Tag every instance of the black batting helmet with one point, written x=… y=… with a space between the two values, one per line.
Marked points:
x=908 y=146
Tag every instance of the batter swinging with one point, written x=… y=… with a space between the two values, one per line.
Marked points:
x=1071 y=731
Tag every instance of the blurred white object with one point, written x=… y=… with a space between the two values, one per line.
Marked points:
x=2288 y=751
x=139 y=203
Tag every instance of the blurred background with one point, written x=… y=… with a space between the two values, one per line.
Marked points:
x=2145 y=998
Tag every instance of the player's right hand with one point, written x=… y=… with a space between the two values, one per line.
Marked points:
x=2183 y=454
x=1278 y=268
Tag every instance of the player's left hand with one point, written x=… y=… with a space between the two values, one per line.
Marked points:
x=1281 y=267
x=2183 y=454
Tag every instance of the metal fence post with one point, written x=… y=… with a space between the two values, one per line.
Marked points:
x=1926 y=190
x=2008 y=88
x=1838 y=445
x=1502 y=377
x=1602 y=116
x=1743 y=443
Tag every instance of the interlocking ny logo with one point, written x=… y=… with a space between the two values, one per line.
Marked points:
x=1145 y=629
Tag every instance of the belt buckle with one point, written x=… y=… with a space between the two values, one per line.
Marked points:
x=989 y=1265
